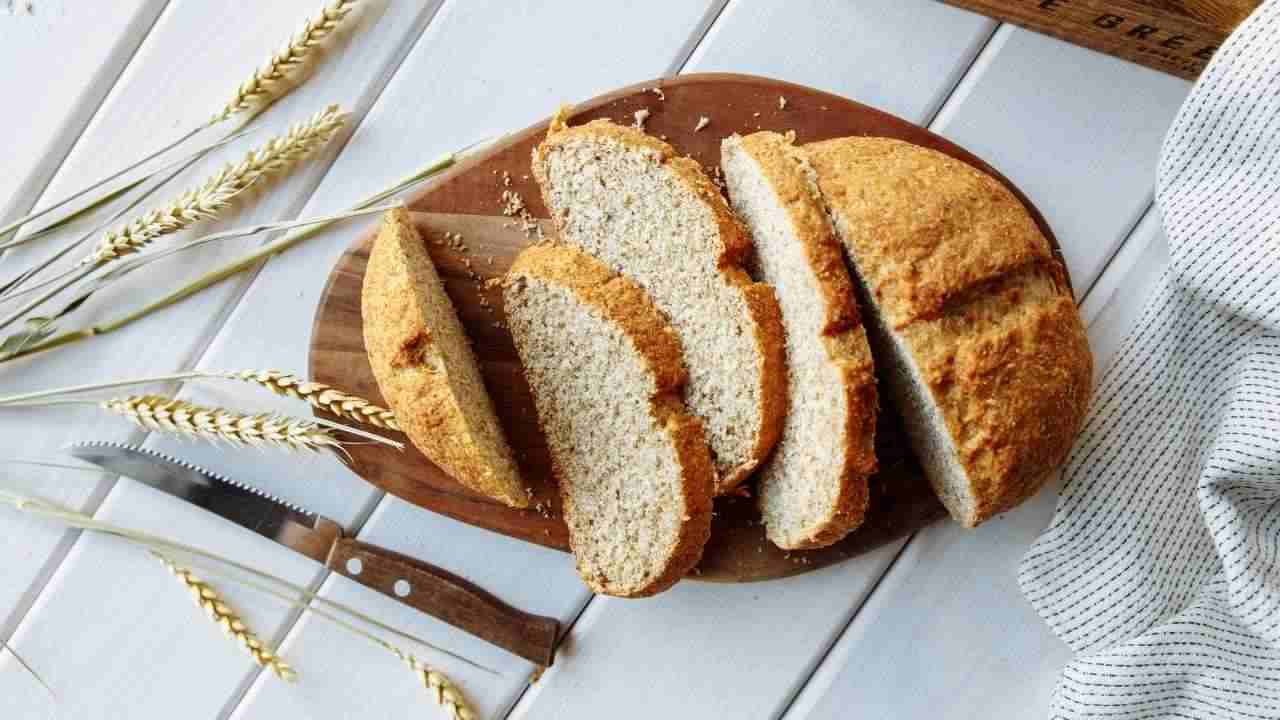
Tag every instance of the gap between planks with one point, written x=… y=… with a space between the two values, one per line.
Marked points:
x=677 y=66
x=983 y=56
x=138 y=437
x=24 y=210
x=976 y=68
x=9 y=625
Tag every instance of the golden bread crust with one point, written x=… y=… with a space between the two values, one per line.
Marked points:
x=408 y=365
x=925 y=226
x=844 y=340
x=625 y=304
x=735 y=248
x=965 y=278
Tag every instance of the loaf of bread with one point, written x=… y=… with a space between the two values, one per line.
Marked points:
x=425 y=368
x=606 y=371
x=813 y=490
x=970 y=315
x=626 y=199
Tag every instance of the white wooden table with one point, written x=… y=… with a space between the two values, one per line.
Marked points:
x=929 y=627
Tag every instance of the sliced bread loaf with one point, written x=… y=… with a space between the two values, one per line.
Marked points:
x=813 y=490
x=606 y=371
x=971 y=313
x=629 y=201
x=425 y=367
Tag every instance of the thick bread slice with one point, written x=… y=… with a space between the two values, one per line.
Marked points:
x=606 y=371
x=986 y=354
x=425 y=369
x=629 y=201
x=813 y=490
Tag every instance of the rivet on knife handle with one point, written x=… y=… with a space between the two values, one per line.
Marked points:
x=443 y=595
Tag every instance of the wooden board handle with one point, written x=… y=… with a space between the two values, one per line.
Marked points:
x=445 y=596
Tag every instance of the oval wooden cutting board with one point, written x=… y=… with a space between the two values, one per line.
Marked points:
x=461 y=217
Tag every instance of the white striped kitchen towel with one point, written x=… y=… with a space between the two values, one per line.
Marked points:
x=1161 y=567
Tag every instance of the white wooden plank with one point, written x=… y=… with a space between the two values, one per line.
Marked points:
x=534 y=579
x=21 y=694
x=902 y=56
x=1079 y=132
x=115 y=635
x=158 y=97
x=459 y=84
x=1118 y=298
x=948 y=626
x=57 y=97
x=703 y=649
x=126 y=123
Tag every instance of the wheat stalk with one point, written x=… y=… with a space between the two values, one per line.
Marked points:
x=444 y=692
x=239 y=265
x=226 y=617
x=216 y=193
x=258 y=89
x=321 y=396
x=180 y=417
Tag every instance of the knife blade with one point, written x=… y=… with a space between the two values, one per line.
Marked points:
x=415 y=583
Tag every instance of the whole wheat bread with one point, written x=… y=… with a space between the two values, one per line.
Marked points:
x=606 y=372
x=971 y=313
x=425 y=368
x=813 y=490
x=627 y=199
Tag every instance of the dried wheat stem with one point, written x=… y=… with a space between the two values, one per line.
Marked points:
x=295 y=595
x=185 y=418
x=225 y=616
x=446 y=694
x=321 y=396
x=258 y=90
x=217 y=192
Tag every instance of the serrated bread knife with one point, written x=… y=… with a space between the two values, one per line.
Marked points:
x=419 y=585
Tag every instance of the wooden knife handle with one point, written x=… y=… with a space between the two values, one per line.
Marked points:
x=443 y=595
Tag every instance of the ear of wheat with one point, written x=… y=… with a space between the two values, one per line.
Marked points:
x=443 y=691
x=217 y=192
x=229 y=620
x=180 y=417
x=257 y=90
x=321 y=396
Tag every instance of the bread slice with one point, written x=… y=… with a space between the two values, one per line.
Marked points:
x=971 y=312
x=425 y=368
x=813 y=490
x=629 y=201
x=606 y=371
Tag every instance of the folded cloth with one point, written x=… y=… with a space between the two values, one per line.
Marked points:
x=1161 y=567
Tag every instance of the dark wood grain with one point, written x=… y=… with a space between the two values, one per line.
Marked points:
x=468 y=200
x=443 y=595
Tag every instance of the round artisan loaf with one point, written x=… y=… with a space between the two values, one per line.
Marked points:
x=971 y=317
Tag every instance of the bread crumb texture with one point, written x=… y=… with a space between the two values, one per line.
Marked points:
x=606 y=371
x=813 y=489
x=626 y=199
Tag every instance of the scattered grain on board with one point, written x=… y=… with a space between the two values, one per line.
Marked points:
x=782 y=103
x=657 y=91
x=513 y=207
x=702 y=122
x=641 y=116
